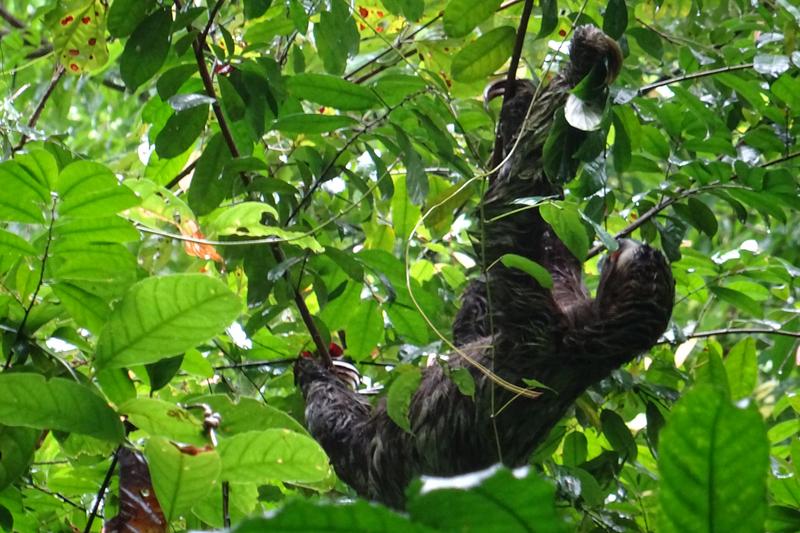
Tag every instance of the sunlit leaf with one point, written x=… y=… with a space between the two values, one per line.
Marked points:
x=480 y=59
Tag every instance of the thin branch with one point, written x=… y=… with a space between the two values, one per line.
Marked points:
x=57 y=75
x=322 y=175
x=522 y=30
x=11 y=19
x=58 y=496
x=226 y=514
x=39 y=284
x=208 y=84
x=182 y=174
x=655 y=210
x=738 y=331
x=102 y=491
x=693 y=76
x=211 y=17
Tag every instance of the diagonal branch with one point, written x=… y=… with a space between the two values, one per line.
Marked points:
x=57 y=75
x=693 y=76
x=208 y=84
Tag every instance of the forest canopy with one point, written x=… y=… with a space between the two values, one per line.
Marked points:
x=193 y=193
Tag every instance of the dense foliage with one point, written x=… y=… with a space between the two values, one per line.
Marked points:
x=190 y=191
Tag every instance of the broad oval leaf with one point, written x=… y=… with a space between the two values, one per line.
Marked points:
x=29 y=400
x=583 y=115
x=163 y=316
x=481 y=58
x=532 y=268
x=164 y=419
x=365 y=329
x=248 y=414
x=14 y=245
x=618 y=434
x=311 y=123
x=615 y=19
x=398 y=399
x=22 y=196
x=79 y=37
x=88 y=189
x=125 y=15
x=181 y=131
x=331 y=91
x=713 y=463
x=180 y=478
x=17 y=445
x=273 y=455
x=461 y=16
x=741 y=366
x=146 y=49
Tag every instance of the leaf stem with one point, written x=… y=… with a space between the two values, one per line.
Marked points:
x=103 y=487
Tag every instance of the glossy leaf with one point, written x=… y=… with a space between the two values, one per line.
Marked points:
x=713 y=464
x=180 y=478
x=272 y=455
x=480 y=59
x=163 y=316
x=566 y=222
x=462 y=16
x=31 y=401
x=146 y=49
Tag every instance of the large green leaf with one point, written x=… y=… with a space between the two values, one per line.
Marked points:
x=125 y=15
x=22 y=197
x=208 y=184
x=272 y=455
x=461 y=16
x=481 y=58
x=17 y=445
x=713 y=464
x=365 y=329
x=30 y=400
x=181 y=131
x=248 y=414
x=163 y=316
x=310 y=123
x=180 y=479
x=741 y=365
x=331 y=91
x=164 y=419
x=503 y=502
x=532 y=268
x=146 y=49
x=325 y=517
x=12 y=244
x=89 y=189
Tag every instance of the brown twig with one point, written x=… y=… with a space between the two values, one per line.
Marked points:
x=57 y=75
x=522 y=30
x=101 y=493
x=693 y=76
x=277 y=252
x=6 y=15
x=655 y=210
x=188 y=169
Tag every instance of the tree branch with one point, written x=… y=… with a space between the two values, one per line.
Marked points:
x=692 y=76
x=208 y=84
x=737 y=331
x=103 y=487
x=522 y=30
x=655 y=210
x=57 y=75
x=13 y=21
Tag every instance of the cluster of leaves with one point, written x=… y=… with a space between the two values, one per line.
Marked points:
x=333 y=151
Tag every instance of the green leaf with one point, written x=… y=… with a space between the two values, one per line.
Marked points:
x=394 y=88
x=622 y=139
x=404 y=213
x=618 y=434
x=181 y=131
x=22 y=196
x=615 y=19
x=171 y=80
x=549 y=18
x=480 y=59
x=462 y=16
x=336 y=37
x=164 y=419
x=742 y=368
x=180 y=479
x=713 y=460
x=125 y=15
x=739 y=300
x=398 y=399
x=79 y=37
x=331 y=91
x=365 y=329
x=243 y=216
x=710 y=371
x=463 y=379
x=703 y=217
x=566 y=222
x=248 y=414
x=322 y=516
x=272 y=455
x=337 y=312
x=575 y=448
x=163 y=316
x=208 y=188
x=411 y=9
x=17 y=445
x=146 y=49
x=42 y=166
x=787 y=88
x=14 y=245
x=255 y=8
x=503 y=502
x=312 y=124
x=88 y=189
x=532 y=268
x=111 y=229
x=88 y=310
x=408 y=324
x=29 y=400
